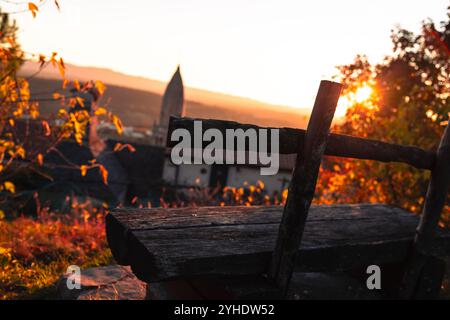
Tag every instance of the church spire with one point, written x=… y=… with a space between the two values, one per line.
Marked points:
x=172 y=105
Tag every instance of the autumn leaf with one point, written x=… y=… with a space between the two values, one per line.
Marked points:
x=117 y=147
x=116 y=121
x=21 y=152
x=65 y=83
x=104 y=174
x=76 y=84
x=83 y=170
x=78 y=138
x=80 y=101
x=9 y=186
x=120 y=147
x=47 y=130
x=61 y=67
x=100 y=87
x=41 y=61
x=100 y=111
x=53 y=59
x=33 y=8
x=40 y=159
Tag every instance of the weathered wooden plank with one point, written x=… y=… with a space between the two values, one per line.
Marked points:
x=169 y=243
x=434 y=203
x=338 y=144
x=303 y=184
x=305 y=285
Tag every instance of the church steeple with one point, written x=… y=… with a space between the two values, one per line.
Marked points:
x=172 y=105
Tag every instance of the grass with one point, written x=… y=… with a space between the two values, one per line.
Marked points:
x=35 y=252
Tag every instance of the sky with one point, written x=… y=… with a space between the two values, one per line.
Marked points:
x=275 y=51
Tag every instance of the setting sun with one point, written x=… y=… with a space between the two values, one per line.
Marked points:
x=362 y=94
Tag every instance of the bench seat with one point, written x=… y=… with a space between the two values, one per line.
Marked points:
x=162 y=244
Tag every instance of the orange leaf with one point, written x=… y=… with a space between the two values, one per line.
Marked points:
x=104 y=174
x=118 y=147
x=83 y=170
x=65 y=83
x=61 y=67
x=80 y=101
x=40 y=159
x=47 y=130
x=33 y=8
x=9 y=186
x=76 y=84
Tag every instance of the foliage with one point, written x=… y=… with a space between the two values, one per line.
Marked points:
x=25 y=137
x=408 y=103
x=34 y=253
x=246 y=195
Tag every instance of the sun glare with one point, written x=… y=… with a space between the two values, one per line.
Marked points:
x=362 y=94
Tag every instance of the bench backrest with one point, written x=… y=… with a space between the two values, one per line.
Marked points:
x=310 y=146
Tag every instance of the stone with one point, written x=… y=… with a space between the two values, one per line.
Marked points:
x=112 y=282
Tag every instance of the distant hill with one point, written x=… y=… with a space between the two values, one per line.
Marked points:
x=137 y=100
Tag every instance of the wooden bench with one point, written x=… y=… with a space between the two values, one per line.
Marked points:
x=295 y=251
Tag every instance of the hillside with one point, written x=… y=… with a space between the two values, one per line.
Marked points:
x=137 y=100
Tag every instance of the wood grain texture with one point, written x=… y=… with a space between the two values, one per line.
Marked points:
x=434 y=203
x=338 y=144
x=164 y=244
x=303 y=184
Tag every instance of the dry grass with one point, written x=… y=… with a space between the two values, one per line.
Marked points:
x=35 y=252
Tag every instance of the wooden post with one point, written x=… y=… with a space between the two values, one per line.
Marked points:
x=303 y=184
x=434 y=203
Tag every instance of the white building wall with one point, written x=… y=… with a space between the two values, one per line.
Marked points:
x=188 y=174
x=237 y=176
x=199 y=175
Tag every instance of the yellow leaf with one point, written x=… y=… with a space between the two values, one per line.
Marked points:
x=21 y=152
x=2 y=216
x=9 y=186
x=83 y=170
x=100 y=111
x=76 y=84
x=100 y=87
x=80 y=101
x=79 y=138
x=56 y=95
x=118 y=124
x=4 y=251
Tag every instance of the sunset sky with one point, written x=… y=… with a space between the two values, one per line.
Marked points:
x=273 y=51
